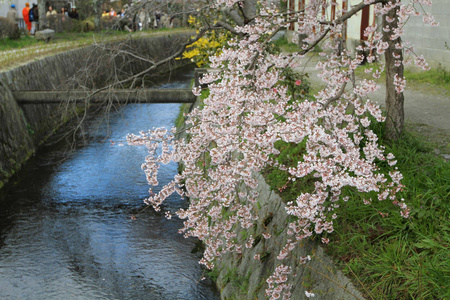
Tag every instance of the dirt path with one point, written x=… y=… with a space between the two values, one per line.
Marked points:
x=427 y=109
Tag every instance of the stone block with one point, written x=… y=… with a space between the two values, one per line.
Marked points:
x=45 y=35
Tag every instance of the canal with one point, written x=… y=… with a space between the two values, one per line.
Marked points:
x=66 y=230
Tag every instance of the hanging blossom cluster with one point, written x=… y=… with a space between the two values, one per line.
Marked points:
x=248 y=109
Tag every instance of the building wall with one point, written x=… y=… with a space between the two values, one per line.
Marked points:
x=428 y=41
x=353 y=24
x=20 y=4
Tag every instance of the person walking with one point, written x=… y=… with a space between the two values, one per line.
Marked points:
x=34 y=18
x=26 y=17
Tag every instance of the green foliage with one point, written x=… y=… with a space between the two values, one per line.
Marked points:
x=290 y=155
x=438 y=77
x=232 y=276
x=24 y=41
x=179 y=121
x=283 y=44
x=389 y=256
x=29 y=129
x=298 y=85
x=213 y=274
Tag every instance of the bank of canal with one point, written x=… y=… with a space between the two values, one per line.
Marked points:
x=65 y=226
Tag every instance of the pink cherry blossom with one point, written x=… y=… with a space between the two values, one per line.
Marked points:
x=232 y=135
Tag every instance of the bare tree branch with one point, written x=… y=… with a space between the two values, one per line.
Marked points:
x=227 y=26
x=155 y=64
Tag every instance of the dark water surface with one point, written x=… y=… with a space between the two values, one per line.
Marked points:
x=66 y=230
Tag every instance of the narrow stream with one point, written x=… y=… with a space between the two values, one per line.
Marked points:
x=66 y=230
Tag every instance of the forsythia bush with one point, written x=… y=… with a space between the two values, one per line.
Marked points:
x=211 y=45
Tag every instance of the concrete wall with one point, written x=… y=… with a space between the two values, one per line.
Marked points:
x=20 y=4
x=23 y=128
x=243 y=277
x=430 y=41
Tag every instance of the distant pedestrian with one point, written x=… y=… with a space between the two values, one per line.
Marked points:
x=74 y=14
x=51 y=12
x=26 y=16
x=51 y=17
x=34 y=18
x=12 y=15
x=64 y=14
x=142 y=18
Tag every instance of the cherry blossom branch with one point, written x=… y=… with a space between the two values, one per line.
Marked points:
x=250 y=108
x=337 y=97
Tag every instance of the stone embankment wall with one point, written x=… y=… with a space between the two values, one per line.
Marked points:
x=24 y=127
x=242 y=277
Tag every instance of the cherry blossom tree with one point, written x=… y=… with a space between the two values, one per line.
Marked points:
x=250 y=106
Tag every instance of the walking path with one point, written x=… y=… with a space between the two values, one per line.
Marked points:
x=427 y=109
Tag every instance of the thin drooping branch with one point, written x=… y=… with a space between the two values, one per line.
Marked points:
x=339 y=21
x=227 y=26
x=356 y=8
x=155 y=65
x=317 y=41
x=126 y=52
x=338 y=96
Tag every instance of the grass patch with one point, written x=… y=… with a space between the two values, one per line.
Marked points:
x=392 y=257
x=24 y=41
x=286 y=46
x=290 y=155
x=181 y=118
x=436 y=76
x=395 y=257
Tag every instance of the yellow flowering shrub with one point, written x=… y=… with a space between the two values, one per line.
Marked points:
x=210 y=45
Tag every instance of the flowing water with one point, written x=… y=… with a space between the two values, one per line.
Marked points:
x=66 y=230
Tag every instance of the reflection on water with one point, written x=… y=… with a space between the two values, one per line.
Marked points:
x=66 y=231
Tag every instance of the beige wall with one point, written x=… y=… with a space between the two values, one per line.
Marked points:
x=428 y=41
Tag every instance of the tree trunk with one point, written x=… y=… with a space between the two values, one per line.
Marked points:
x=184 y=21
x=250 y=9
x=97 y=15
x=394 y=100
x=42 y=15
